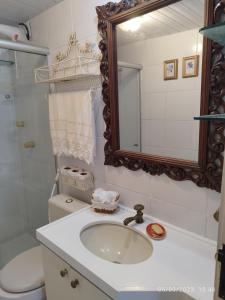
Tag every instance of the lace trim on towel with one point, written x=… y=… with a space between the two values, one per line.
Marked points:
x=83 y=151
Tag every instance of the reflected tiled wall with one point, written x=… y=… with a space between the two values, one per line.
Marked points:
x=180 y=203
x=168 y=106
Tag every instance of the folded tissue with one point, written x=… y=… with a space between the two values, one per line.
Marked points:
x=105 y=201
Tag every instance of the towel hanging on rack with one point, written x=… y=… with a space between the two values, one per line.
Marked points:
x=72 y=124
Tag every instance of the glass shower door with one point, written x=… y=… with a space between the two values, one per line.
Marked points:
x=129 y=108
x=26 y=160
x=12 y=203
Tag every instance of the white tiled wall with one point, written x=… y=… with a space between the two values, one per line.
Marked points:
x=181 y=203
x=168 y=107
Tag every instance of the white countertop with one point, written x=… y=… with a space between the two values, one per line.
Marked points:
x=182 y=261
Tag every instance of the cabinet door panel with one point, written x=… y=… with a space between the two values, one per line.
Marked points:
x=85 y=290
x=58 y=287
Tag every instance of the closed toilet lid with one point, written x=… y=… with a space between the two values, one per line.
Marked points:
x=24 y=273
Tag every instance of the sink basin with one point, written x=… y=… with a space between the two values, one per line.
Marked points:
x=116 y=243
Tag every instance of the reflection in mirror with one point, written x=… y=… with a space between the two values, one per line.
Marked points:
x=159 y=80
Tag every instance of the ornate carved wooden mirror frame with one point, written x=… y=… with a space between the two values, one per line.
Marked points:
x=207 y=172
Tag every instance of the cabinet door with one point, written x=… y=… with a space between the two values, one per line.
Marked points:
x=85 y=290
x=57 y=283
x=62 y=282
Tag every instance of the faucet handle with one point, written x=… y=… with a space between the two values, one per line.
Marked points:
x=216 y=215
x=139 y=207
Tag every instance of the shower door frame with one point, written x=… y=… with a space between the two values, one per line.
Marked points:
x=23 y=47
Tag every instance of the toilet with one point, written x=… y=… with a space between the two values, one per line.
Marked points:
x=23 y=277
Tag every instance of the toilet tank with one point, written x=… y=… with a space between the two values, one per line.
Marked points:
x=62 y=205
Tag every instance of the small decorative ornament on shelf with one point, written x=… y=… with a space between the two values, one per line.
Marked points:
x=80 y=60
x=216 y=31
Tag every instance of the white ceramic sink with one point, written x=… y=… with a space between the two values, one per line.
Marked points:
x=116 y=243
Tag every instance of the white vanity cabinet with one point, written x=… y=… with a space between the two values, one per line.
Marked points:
x=63 y=282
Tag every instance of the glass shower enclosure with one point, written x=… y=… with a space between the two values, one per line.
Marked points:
x=129 y=93
x=26 y=160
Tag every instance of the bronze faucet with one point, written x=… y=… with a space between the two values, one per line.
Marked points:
x=216 y=215
x=138 y=218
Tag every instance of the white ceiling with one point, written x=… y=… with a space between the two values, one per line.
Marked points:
x=178 y=17
x=14 y=11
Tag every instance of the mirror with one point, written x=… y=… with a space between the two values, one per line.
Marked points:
x=159 y=58
x=158 y=73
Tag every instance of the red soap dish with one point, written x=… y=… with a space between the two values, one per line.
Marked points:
x=156 y=231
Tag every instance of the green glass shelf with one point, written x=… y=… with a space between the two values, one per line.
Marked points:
x=220 y=117
x=215 y=32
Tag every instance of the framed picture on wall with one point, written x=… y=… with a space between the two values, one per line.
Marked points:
x=171 y=69
x=190 y=66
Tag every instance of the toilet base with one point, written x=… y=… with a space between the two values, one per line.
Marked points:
x=38 y=294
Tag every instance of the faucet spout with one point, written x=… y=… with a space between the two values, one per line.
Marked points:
x=138 y=218
x=128 y=220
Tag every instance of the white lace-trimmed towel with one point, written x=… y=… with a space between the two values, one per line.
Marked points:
x=72 y=124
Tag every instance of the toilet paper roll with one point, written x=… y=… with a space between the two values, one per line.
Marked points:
x=78 y=178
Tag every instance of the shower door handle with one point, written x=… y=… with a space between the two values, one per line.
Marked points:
x=20 y=124
x=29 y=145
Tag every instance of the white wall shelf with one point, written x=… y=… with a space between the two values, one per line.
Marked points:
x=70 y=69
